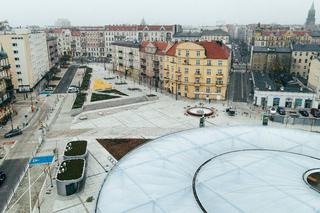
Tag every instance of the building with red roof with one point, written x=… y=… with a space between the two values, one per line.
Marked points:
x=197 y=70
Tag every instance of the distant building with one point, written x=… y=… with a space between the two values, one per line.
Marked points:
x=126 y=58
x=6 y=87
x=292 y=96
x=215 y=35
x=52 y=46
x=314 y=77
x=311 y=19
x=302 y=55
x=197 y=70
x=28 y=55
x=187 y=36
x=62 y=22
x=152 y=56
x=271 y=59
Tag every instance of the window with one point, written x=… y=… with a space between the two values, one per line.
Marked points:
x=14 y=44
x=197 y=71
x=208 y=72
x=198 y=53
x=187 y=53
x=219 y=81
x=179 y=52
x=15 y=51
x=306 y=61
x=179 y=60
x=295 y=60
x=197 y=89
x=197 y=80
x=300 y=60
x=198 y=62
x=207 y=89
x=219 y=72
x=16 y=59
x=186 y=79
x=186 y=70
x=18 y=66
x=208 y=81
x=218 y=90
x=220 y=63
x=186 y=88
x=209 y=63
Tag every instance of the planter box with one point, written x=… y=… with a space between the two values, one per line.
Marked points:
x=76 y=150
x=70 y=176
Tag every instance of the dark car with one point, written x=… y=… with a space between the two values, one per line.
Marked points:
x=281 y=111
x=12 y=133
x=2 y=177
x=315 y=112
x=230 y=111
x=304 y=113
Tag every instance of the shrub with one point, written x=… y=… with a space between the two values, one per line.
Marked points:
x=80 y=99
x=102 y=97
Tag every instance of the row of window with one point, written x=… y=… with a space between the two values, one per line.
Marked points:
x=197 y=89
x=198 y=62
x=219 y=81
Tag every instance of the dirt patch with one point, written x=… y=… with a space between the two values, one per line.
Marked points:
x=120 y=147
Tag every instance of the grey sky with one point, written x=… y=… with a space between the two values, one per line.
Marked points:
x=193 y=12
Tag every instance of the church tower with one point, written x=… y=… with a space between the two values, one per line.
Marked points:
x=311 y=19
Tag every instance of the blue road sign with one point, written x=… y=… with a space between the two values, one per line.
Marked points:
x=41 y=160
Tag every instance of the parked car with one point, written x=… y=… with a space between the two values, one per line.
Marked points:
x=12 y=133
x=73 y=90
x=281 y=111
x=273 y=111
x=304 y=113
x=231 y=111
x=315 y=112
x=3 y=177
x=293 y=114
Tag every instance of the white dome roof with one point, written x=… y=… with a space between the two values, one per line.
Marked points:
x=234 y=169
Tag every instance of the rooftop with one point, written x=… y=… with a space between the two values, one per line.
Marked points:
x=263 y=82
x=217 y=32
x=306 y=47
x=258 y=49
x=187 y=35
x=76 y=148
x=71 y=170
x=126 y=44
x=217 y=170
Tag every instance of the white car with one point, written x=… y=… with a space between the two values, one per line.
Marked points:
x=273 y=111
x=73 y=90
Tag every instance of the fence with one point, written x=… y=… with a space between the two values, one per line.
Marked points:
x=295 y=120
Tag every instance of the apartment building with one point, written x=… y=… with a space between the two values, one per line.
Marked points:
x=205 y=35
x=28 y=55
x=302 y=55
x=139 y=33
x=52 y=46
x=269 y=59
x=152 y=55
x=314 y=78
x=126 y=59
x=93 y=42
x=281 y=38
x=197 y=70
x=6 y=87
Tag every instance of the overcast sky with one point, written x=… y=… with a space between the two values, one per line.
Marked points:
x=186 y=12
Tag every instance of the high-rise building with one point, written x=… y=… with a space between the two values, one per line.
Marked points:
x=28 y=55
x=311 y=19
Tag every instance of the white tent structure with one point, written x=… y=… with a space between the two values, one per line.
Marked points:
x=234 y=169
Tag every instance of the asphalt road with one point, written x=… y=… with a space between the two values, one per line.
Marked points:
x=13 y=169
x=66 y=80
x=17 y=159
x=239 y=87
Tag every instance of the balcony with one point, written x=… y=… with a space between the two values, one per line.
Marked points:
x=131 y=53
x=197 y=74
x=120 y=51
x=219 y=75
x=5 y=67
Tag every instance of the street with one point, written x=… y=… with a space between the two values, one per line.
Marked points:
x=66 y=80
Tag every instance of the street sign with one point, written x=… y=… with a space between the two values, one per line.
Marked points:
x=41 y=160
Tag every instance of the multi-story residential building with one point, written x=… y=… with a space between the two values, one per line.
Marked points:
x=28 y=54
x=139 y=33
x=215 y=35
x=271 y=59
x=302 y=55
x=6 y=87
x=64 y=40
x=152 y=55
x=52 y=46
x=314 y=78
x=126 y=58
x=93 y=42
x=205 y=35
x=76 y=48
x=197 y=70
x=281 y=38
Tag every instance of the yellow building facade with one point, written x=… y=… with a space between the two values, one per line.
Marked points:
x=197 y=70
